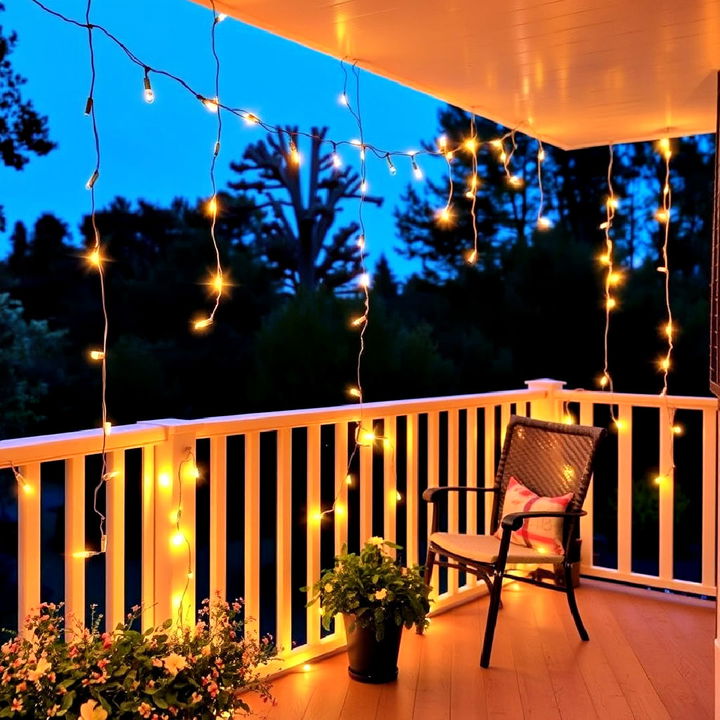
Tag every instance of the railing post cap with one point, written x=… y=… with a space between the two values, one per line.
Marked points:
x=545 y=384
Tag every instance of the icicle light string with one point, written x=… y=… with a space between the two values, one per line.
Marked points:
x=663 y=217
x=445 y=215
x=610 y=279
x=96 y=259
x=250 y=118
x=217 y=282
x=471 y=145
x=179 y=538
x=543 y=222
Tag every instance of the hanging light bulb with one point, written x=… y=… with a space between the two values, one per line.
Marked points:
x=250 y=118
x=391 y=168
x=211 y=104
x=97 y=355
x=148 y=93
x=417 y=172
x=202 y=324
x=92 y=179
x=336 y=160
x=544 y=223
x=343 y=99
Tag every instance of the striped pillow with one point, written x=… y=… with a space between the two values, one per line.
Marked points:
x=544 y=534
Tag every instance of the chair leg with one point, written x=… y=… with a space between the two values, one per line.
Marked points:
x=570 y=591
x=491 y=619
x=429 y=563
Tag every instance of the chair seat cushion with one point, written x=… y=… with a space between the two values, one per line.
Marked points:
x=542 y=533
x=485 y=548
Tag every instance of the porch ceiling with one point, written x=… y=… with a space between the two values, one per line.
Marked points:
x=575 y=73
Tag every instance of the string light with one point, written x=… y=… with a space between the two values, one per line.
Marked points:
x=148 y=93
x=606 y=259
x=212 y=206
x=22 y=483
x=663 y=216
x=471 y=145
x=417 y=172
x=444 y=215
x=214 y=105
x=543 y=223
x=391 y=168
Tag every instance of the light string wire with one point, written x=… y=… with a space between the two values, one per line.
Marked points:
x=607 y=259
x=249 y=117
x=472 y=146
x=445 y=214
x=180 y=537
x=20 y=479
x=217 y=282
x=543 y=222
x=663 y=217
x=96 y=260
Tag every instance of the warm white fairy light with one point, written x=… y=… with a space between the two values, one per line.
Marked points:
x=663 y=217
x=471 y=144
x=148 y=93
x=391 y=168
x=213 y=205
x=444 y=215
x=542 y=222
x=611 y=279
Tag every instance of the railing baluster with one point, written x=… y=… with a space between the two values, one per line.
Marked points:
x=115 y=556
x=489 y=462
x=390 y=499
x=412 y=499
x=453 y=478
x=667 y=496
x=624 y=526
x=74 y=543
x=471 y=480
x=433 y=469
x=251 y=593
x=28 y=541
x=284 y=540
x=314 y=525
x=218 y=517
x=587 y=524
x=341 y=487
x=709 y=496
x=366 y=491
x=174 y=564
x=147 y=592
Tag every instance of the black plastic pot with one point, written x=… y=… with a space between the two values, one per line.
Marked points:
x=370 y=660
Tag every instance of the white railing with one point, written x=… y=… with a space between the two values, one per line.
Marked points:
x=426 y=442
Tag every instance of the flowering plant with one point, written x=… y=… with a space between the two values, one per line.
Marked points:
x=374 y=588
x=164 y=673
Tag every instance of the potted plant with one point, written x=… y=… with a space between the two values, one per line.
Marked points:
x=164 y=673
x=377 y=598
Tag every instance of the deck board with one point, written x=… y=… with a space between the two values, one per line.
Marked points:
x=650 y=655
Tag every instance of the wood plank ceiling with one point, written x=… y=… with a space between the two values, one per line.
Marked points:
x=575 y=73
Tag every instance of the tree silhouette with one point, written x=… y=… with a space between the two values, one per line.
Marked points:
x=298 y=240
x=22 y=130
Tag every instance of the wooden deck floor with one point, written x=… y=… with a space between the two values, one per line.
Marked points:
x=649 y=656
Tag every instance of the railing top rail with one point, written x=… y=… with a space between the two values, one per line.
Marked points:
x=45 y=448
x=602 y=397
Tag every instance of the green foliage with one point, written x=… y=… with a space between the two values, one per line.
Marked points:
x=29 y=363
x=199 y=673
x=373 y=588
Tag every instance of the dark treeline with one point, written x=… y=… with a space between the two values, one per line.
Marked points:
x=531 y=305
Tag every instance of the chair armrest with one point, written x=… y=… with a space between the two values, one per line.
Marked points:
x=514 y=521
x=430 y=493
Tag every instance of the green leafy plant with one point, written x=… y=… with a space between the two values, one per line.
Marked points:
x=373 y=588
x=198 y=673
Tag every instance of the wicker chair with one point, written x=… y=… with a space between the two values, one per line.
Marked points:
x=551 y=459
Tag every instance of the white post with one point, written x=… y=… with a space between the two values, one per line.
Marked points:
x=548 y=407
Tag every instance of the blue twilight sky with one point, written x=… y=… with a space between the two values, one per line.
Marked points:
x=160 y=151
